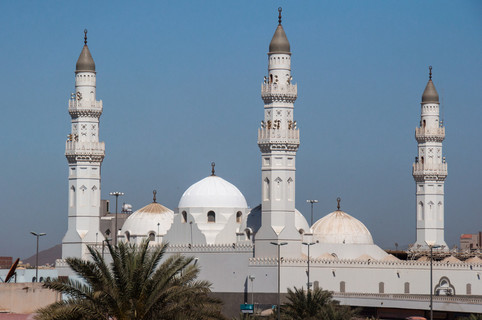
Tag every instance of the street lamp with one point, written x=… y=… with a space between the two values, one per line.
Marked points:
x=279 y=244
x=309 y=244
x=116 y=195
x=431 y=245
x=312 y=202
x=38 y=235
x=106 y=240
x=252 y=288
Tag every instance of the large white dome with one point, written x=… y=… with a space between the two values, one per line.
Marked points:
x=212 y=192
x=340 y=227
x=145 y=220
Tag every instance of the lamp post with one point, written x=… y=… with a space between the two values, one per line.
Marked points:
x=431 y=245
x=106 y=240
x=38 y=235
x=252 y=288
x=309 y=244
x=279 y=244
x=312 y=202
x=116 y=195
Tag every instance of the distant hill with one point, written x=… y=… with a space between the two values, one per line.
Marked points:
x=46 y=256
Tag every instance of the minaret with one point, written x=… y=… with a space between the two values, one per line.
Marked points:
x=278 y=140
x=430 y=171
x=84 y=154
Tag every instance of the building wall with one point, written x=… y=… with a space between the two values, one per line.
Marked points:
x=25 y=297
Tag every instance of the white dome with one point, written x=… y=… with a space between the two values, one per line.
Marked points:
x=212 y=192
x=340 y=227
x=145 y=220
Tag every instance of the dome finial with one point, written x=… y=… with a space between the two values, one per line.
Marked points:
x=85 y=36
x=212 y=169
x=338 y=200
x=279 y=15
x=430 y=72
x=154 y=192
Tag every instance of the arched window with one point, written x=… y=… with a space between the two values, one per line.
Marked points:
x=211 y=217
x=184 y=217
x=381 y=287
x=422 y=160
x=107 y=232
x=41 y=279
x=239 y=216
x=34 y=279
x=342 y=286
x=152 y=236
x=424 y=123
x=248 y=233
x=270 y=78
x=301 y=231
x=468 y=288
x=128 y=236
x=407 y=287
x=316 y=285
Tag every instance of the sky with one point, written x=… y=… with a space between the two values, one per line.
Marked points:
x=180 y=83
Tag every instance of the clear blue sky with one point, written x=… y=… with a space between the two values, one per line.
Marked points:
x=180 y=82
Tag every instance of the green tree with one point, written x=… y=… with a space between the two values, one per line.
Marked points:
x=314 y=304
x=134 y=286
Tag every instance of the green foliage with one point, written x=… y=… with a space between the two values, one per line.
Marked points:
x=472 y=317
x=134 y=286
x=314 y=304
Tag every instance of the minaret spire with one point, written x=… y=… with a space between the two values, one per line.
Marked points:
x=429 y=72
x=84 y=153
x=212 y=169
x=278 y=140
x=429 y=171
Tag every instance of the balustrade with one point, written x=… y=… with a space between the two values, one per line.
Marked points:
x=78 y=147
x=430 y=169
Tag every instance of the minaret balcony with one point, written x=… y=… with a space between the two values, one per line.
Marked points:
x=277 y=92
x=276 y=136
x=85 y=108
x=426 y=171
x=73 y=148
x=430 y=134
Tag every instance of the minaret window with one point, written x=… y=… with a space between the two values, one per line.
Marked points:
x=423 y=123
x=211 y=217
x=266 y=189
x=420 y=210
x=72 y=196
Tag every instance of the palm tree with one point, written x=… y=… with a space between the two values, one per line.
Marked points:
x=314 y=304
x=134 y=286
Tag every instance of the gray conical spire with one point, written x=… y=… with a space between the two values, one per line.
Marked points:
x=85 y=63
x=430 y=94
x=279 y=43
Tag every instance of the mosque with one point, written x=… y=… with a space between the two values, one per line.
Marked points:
x=238 y=248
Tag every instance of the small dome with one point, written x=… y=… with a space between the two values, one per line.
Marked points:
x=146 y=219
x=212 y=192
x=430 y=94
x=85 y=63
x=339 y=227
x=279 y=43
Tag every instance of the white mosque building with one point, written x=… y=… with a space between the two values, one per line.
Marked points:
x=237 y=247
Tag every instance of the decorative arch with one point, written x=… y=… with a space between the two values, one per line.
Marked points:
x=211 y=217
x=444 y=287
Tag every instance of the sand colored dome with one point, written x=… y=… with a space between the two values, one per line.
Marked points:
x=340 y=227
x=145 y=220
